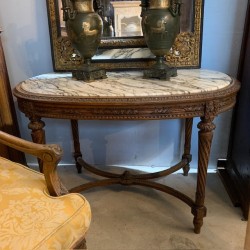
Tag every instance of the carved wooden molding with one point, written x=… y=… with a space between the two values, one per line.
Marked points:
x=207 y=104
x=220 y=93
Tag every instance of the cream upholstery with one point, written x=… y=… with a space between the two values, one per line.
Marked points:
x=30 y=218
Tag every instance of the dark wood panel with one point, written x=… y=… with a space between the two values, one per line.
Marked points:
x=236 y=171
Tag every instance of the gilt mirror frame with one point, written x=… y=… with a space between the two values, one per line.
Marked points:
x=185 y=53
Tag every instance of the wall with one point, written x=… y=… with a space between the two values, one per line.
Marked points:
x=136 y=143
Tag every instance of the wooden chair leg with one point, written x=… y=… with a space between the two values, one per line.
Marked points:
x=81 y=245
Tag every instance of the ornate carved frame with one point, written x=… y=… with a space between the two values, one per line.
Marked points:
x=188 y=44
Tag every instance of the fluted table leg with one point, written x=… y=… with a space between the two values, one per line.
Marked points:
x=38 y=134
x=206 y=127
x=77 y=149
x=187 y=145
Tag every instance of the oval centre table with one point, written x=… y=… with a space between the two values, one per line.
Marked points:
x=127 y=96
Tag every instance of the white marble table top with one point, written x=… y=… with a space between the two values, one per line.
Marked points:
x=127 y=84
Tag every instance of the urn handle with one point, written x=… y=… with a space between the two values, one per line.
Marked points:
x=144 y=6
x=175 y=7
x=68 y=10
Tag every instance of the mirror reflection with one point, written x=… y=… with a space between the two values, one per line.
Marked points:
x=122 y=18
x=122 y=45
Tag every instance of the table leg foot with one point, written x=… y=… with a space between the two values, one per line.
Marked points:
x=186 y=170
x=199 y=214
x=197 y=226
x=79 y=168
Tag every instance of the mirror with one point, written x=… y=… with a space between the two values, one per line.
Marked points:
x=122 y=46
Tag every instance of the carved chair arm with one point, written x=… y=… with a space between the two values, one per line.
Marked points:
x=50 y=154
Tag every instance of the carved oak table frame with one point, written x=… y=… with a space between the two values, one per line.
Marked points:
x=205 y=105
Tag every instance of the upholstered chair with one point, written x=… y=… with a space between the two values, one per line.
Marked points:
x=36 y=210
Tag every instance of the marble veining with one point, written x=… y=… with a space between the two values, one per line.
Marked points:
x=127 y=84
x=126 y=53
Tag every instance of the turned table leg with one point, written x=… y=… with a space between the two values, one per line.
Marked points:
x=77 y=153
x=38 y=134
x=187 y=145
x=206 y=127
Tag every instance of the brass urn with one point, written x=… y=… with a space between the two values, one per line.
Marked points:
x=160 y=26
x=84 y=28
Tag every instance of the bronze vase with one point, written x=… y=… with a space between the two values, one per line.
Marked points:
x=84 y=28
x=160 y=26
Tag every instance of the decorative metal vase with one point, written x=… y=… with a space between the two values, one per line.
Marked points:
x=103 y=8
x=84 y=28
x=160 y=26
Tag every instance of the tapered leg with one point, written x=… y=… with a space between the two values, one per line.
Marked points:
x=187 y=145
x=206 y=127
x=38 y=134
x=77 y=153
